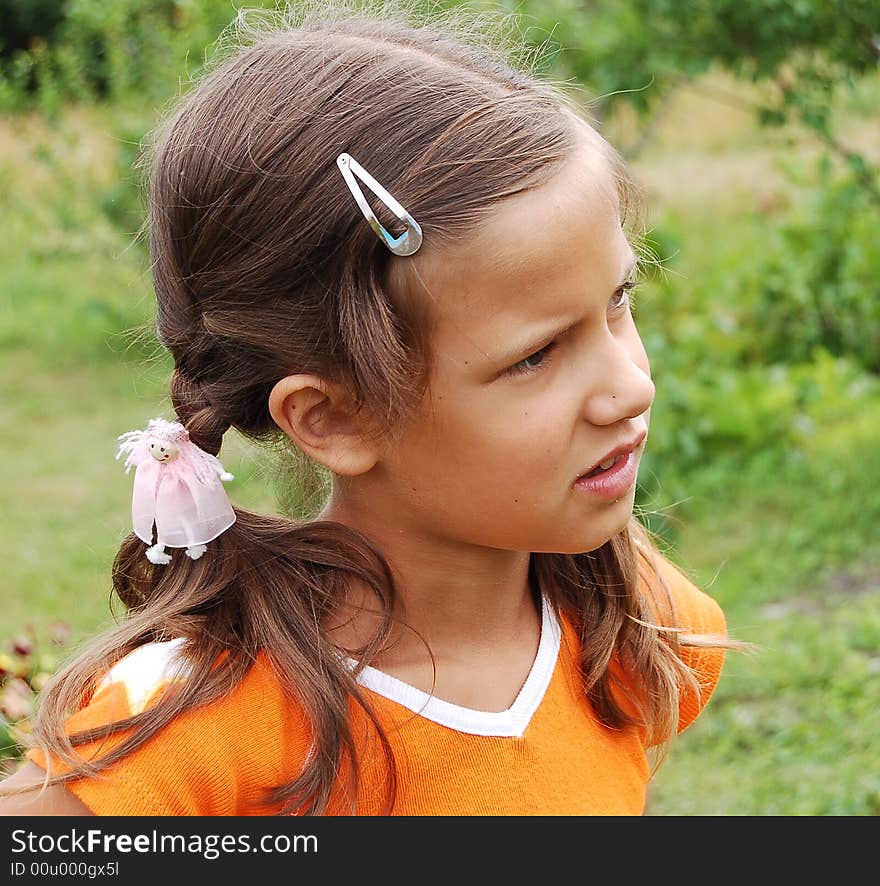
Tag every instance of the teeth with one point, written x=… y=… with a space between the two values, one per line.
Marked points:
x=605 y=465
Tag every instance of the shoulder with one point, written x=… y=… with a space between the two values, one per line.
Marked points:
x=700 y=621
x=212 y=759
x=142 y=675
x=24 y=793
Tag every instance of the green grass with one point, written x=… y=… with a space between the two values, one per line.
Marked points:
x=785 y=538
x=792 y=557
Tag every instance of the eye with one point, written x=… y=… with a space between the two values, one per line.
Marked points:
x=621 y=301
x=624 y=296
x=533 y=362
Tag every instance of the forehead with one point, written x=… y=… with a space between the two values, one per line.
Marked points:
x=535 y=259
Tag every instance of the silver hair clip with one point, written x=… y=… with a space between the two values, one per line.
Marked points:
x=411 y=239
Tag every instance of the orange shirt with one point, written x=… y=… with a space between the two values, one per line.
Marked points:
x=546 y=755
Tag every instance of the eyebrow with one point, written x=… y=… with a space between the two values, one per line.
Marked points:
x=536 y=340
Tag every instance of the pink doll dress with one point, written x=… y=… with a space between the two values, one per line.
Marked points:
x=183 y=496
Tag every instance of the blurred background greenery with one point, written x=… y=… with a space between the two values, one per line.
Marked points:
x=753 y=129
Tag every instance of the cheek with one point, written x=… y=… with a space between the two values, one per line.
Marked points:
x=520 y=443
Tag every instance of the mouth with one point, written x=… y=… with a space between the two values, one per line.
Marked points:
x=614 y=457
x=605 y=466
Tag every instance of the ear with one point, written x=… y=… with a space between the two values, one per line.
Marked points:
x=321 y=420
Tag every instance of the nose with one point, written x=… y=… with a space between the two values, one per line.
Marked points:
x=621 y=385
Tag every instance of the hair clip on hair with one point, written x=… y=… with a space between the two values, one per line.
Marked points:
x=411 y=239
x=178 y=487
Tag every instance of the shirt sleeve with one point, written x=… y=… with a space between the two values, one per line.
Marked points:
x=694 y=612
x=214 y=760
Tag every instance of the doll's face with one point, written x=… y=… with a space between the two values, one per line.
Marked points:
x=163 y=450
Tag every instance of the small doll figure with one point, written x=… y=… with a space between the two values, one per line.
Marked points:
x=178 y=487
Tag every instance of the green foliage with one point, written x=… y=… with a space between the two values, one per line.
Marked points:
x=110 y=49
x=639 y=49
x=751 y=331
x=123 y=201
x=818 y=284
x=716 y=423
x=28 y=22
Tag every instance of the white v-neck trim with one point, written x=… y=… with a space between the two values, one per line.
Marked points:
x=509 y=723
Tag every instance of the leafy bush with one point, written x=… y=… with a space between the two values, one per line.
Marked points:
x=28 y=22
x=818 y=280
x=719 y=424
x=106 y=49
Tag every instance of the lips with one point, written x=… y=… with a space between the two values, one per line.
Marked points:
x=621 y=450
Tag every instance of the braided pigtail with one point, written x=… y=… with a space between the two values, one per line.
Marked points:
x=205 y=424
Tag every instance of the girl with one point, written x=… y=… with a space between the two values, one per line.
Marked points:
x=376 y=240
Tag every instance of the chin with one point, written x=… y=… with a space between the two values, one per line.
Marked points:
x=583 y=543
x=582 y=546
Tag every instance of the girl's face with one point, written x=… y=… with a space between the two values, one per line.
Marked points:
x=539 y=371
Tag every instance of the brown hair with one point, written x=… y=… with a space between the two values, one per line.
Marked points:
x=263 y=267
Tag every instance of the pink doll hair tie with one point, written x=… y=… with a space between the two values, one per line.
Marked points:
x=178 y=487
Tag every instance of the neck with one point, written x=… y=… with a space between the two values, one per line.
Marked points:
x=461 y=599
